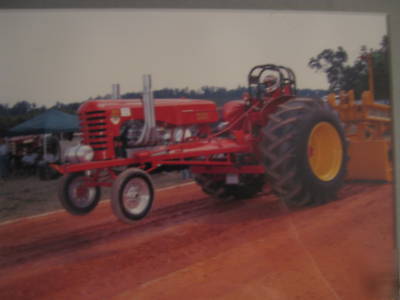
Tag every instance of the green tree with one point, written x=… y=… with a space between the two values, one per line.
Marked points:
x=332 y=62
x=342 y=76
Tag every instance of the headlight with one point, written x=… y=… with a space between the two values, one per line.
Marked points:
x=80 y=153
x=85 y=153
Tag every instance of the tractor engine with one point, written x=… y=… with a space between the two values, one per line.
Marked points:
x=118 y=128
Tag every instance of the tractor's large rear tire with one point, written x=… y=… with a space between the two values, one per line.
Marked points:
x=215 y=186
x=305 y=152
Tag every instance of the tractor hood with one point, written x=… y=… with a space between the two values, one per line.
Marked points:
x=171 y=111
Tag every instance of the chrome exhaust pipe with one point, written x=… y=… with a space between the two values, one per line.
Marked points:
x=149 y=132
x=115 y=91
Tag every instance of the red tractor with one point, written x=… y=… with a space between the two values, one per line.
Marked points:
x=295 y=145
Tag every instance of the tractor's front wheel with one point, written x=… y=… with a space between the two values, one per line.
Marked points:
x=305 y=152
x=76 y=195
x=132 y=195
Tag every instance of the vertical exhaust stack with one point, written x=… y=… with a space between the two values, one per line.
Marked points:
x=115 y=91
x=149 y=133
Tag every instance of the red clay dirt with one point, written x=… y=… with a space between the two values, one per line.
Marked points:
x=191 y=246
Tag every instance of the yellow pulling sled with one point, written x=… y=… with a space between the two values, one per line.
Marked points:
x=368 y=129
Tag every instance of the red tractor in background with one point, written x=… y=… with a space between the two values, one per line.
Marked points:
x=295 y=145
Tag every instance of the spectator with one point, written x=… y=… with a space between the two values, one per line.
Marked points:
x=4 y=159
x=29 y=161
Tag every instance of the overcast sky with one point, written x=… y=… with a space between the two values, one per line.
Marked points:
x=71 y=55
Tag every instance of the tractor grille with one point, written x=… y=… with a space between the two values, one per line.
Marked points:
x=95 y=133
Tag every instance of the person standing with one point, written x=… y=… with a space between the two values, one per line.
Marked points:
x=4 y=158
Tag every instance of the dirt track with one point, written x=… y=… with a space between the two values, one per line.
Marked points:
x=193 y=247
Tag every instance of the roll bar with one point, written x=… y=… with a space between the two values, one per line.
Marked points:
x=286 y=78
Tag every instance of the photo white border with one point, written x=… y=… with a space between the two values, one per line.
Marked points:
x=389 y=7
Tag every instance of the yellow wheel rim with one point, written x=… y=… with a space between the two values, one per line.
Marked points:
x=325 y=151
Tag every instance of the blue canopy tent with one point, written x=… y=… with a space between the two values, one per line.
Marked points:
x=51 y=121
